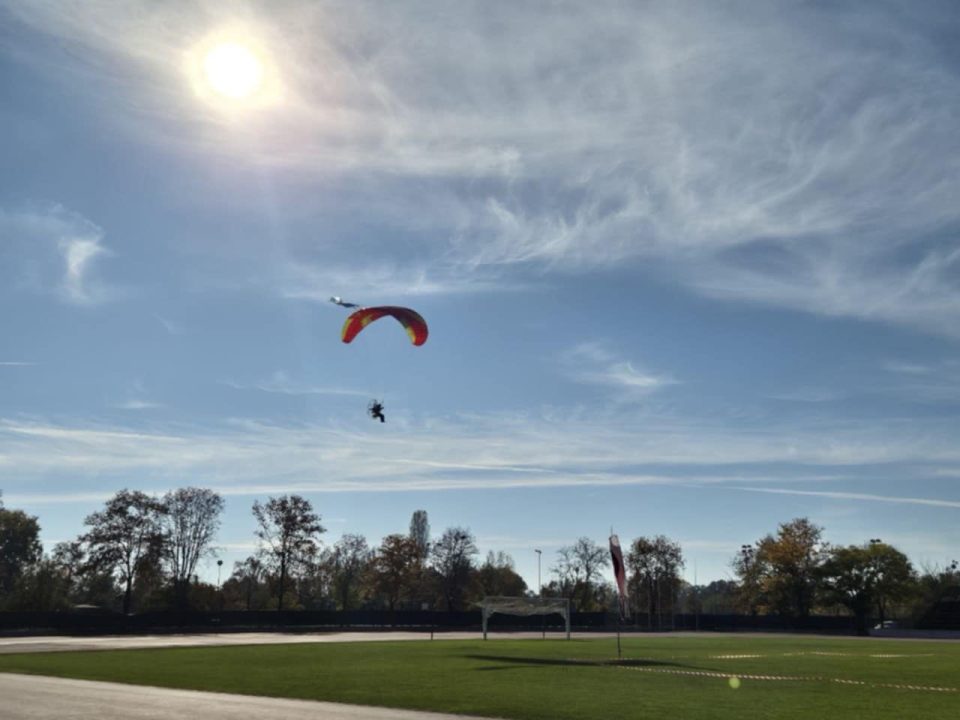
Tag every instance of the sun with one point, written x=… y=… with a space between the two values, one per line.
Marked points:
x=233 y=70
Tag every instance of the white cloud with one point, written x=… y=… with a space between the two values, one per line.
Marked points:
x=896 y=499
x=246 y=458
x=593 y=362
x=136 y=398
x=281 y=384
x=78 y=255
x=804 y=159
x=54 y=250
x=173 y=328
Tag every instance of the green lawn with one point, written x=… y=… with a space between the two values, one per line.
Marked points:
x=554 y=679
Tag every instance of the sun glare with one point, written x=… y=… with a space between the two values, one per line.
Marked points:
x=233 y=70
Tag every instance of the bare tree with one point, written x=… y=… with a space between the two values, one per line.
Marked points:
x=288 y=530
x=579 y=570
x=123 y=534
x=452 y=557
x=190 y=523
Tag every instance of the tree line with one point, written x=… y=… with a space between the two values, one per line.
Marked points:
x=141 y=553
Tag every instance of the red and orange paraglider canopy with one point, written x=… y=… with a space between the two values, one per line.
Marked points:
x=412 y=322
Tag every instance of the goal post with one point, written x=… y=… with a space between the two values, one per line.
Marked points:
x=491 y=605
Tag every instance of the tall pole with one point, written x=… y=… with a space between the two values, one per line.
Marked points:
x=219 y=585
x=539 y=584
x=696 y=598
x=543 y=620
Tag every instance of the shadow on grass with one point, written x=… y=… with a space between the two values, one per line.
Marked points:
x=574 y=662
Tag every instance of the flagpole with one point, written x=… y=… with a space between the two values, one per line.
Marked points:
x=619 y=657
x=616 y=556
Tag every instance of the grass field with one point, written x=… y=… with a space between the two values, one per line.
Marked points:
x=658 y=677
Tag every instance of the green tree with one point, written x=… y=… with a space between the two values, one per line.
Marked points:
x=420 y=532
x=654 y=581
x=750 y=571
x=350 y=561
x=895 y=578
x=498 y=576
x=247 y=586
x=20 y=547
x=288 y=530
x=123 y=535
x=866 y=577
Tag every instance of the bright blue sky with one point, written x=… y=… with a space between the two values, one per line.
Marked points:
x=690 y=268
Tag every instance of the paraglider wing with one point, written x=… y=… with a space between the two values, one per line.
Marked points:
x=336 y=300
x=415 y=325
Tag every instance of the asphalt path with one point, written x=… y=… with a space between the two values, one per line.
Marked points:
x=57 y=643
x=30 y=697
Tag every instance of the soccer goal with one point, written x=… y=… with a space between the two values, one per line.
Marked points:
x=525 y=606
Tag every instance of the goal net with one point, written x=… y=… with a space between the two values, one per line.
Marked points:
x=525 y=606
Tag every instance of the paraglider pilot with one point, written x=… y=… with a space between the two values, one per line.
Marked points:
x=376 y=410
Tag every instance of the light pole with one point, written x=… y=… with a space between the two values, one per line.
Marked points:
x=219 y=586
x=543 y=620
x=539 y=584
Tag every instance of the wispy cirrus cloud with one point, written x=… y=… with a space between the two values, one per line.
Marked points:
x=803 y=160
x=137 y=398
x=248 y=458
x=280 y=383
x=54 y=250
x=869 y=497
x=172 y=328
x=595 y=363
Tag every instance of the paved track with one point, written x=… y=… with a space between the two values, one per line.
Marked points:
x=55 y=643
x=28 y=697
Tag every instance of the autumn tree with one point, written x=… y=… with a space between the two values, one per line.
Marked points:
x=288 y=531
x=784 y=567
x=122 y=536
x=395 y=568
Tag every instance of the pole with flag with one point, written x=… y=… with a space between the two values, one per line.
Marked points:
x=619 y=572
